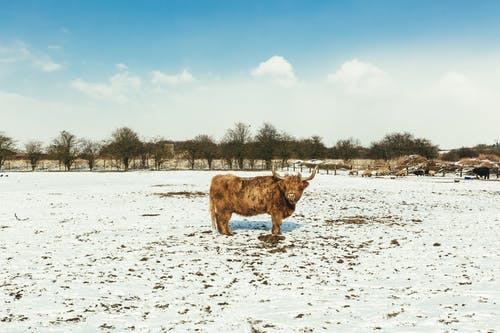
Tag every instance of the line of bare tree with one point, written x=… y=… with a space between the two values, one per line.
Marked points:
x=237 y=147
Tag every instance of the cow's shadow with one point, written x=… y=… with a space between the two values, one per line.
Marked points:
x=286 y=226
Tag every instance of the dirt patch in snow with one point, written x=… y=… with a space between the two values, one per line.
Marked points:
x=170 y=185
x=273 y=242
x=358 y=219
x=348 y=220
x=181 y=194
x=271 y=239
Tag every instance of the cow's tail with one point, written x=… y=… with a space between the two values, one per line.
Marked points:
x=213 y=215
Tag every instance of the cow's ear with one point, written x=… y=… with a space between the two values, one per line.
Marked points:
x=305 y=184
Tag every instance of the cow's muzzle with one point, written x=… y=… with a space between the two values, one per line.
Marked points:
x=291 y=198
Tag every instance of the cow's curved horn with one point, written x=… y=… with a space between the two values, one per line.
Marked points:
x=276 y=175
x=311 y=176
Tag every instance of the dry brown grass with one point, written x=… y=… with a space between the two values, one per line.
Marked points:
x=410 y=160
x=491 y=157
x=401 y=173
x=383 y=172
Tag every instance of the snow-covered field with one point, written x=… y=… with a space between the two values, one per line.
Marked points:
x=134 y=252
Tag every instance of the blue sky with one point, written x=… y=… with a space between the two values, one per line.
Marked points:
x=122 y=63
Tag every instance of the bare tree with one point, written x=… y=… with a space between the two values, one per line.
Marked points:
x=89 y=151
x=346 y=149
x=191 y=150
x=7 y=148
x=125 y=145
x=267 y=139
x=236 y=138
x=458 y=154
x=284 y=149
x=318 y=149
x=145 y=153
x=425 y=148
x=252 y=153
x=106 y=154
x=208 y=149
x=161 y=150
x=34 y=153
x=312 y=147
x=227 y=150
x=64 y=149
x=400 y=144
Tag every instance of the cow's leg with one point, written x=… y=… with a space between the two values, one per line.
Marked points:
x=224 y=224
x=229 y=232
x=219 y=223
x=219 y=220
x=276 y=220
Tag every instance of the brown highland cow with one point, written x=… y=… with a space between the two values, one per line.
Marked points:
x=275 y=195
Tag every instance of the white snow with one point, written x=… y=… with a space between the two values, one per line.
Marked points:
x=77 y=254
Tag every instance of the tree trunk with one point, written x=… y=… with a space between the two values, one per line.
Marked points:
x=125 y=163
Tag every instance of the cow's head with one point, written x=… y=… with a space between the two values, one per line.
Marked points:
x=292 y=186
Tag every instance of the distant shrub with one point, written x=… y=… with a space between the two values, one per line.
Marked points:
x=457 y=154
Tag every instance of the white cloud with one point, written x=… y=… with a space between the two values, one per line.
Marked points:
x=456 y=86
x=47 y=65
x=159 y=78
x=19 y=53
x=117 y=89
x=121 y=67
x=277 y=70
x=428 y=102
x=360 y=77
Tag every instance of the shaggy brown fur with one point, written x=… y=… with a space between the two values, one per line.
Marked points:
x=251 y=196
